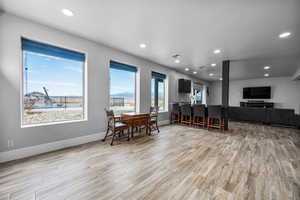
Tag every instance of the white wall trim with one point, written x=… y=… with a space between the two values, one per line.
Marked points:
x=48 y=147
x=52 y=146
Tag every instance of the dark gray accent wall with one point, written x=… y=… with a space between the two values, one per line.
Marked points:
x=225 y=90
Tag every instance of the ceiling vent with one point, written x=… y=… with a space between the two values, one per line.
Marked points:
x=176 y=56
x=201 y=67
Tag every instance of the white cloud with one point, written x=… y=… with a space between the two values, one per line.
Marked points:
x=75 y=69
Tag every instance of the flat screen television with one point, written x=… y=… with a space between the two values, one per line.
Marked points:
x=257 y=93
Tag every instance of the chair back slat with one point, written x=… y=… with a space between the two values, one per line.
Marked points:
x=109 y=113
x=153 y=110
x=110 y=117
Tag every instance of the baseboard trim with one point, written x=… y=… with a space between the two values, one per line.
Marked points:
x=48 y=147
x=53 y=146
x=162 y=123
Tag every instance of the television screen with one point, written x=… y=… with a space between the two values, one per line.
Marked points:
x=257 y=93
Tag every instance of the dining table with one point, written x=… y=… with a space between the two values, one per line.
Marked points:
x=137 y=120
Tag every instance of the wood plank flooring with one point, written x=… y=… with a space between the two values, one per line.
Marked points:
x=248 y=162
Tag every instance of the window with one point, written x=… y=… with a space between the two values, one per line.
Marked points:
x=198 y=96
x=158 y=91
x=198 y=91
x=53 y=84
x=122 y=88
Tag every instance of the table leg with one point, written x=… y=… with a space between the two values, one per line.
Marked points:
x=132 y=131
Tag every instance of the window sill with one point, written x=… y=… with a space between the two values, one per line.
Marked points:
x=163 y=111
x=53 y=123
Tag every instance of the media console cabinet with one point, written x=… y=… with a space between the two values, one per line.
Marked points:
x=272 y=116
x=257 y=104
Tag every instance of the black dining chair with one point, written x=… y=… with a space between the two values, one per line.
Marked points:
x=215 y=118
x=199 y=115
x=175 y=113
x=186 y=114
x=115 y=125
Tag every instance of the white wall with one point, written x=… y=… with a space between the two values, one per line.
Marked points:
x=98 y=57
x=215 y=93
x=285 y=92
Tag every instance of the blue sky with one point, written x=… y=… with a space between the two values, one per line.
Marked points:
x=62 y=77
x=122 y=81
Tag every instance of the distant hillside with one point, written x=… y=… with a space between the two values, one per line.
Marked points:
x=66 y=96
x=126 y=95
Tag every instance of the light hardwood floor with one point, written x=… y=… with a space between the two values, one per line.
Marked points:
x=248 y=162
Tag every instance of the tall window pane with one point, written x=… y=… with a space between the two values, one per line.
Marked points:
x=122 y=90
x=158 y=97
x=161 y=95
x=152 y=92
x=198 y=96
x=52 y=86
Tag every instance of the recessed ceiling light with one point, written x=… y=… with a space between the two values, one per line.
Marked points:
x=267 y=67
x=221 y=79
x=194 y=72
x=284 y=35
x=211 y=74
x=213 y=64
x=177 y=61
x=217 y=51
x=176 y=57
x=67 y=12
x=187 y=69
x=143 y=46
x=267 y=75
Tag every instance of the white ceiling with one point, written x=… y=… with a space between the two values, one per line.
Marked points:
x=254 y=68
x=245 y=30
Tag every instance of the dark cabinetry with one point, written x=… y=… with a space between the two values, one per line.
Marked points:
x=257 y=104
x=184 y=86
x=285 y=117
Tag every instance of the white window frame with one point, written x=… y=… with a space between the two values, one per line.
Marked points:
x=166 y=92
x=84 y=91
x=136 y=100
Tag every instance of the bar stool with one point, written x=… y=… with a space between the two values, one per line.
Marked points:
x=186 y=114
x=175 y=114
x=215 y=117
x=199 y=115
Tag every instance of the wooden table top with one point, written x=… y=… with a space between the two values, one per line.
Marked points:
x=134 y=114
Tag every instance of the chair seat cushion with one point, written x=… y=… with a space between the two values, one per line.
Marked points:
x=153 y=121
x=120 y=124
